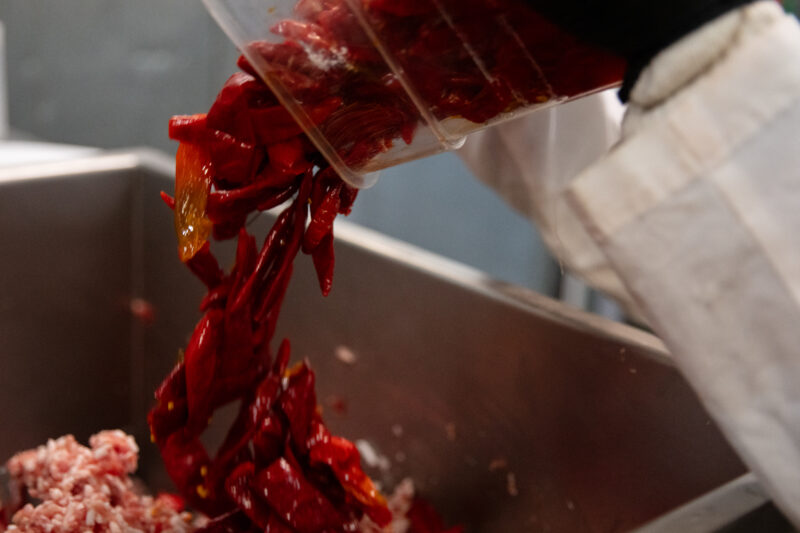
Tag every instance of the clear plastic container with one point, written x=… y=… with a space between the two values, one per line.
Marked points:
x=378 y=82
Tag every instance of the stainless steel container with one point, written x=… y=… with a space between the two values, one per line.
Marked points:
x=510 y=411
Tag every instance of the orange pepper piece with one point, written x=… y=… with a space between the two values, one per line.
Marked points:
x=192 y=185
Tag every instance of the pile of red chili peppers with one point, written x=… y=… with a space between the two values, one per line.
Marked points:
x=279 y=468
x=476 y=59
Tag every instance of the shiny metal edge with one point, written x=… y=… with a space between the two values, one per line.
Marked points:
x=464 y=275
x=68 y=167
x=717 y=509
x=402 y=252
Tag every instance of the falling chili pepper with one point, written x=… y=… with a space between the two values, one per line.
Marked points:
x=192 y=183
x=263 y=475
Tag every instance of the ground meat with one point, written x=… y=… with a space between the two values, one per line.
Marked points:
x=88 y=489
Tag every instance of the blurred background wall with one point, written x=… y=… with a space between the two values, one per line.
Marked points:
x=110 y=73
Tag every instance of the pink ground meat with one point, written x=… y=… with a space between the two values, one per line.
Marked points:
x=88 y=489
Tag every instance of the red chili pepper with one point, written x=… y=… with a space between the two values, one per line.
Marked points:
x=171 y=413
x=204 y=265
x=174 y=385
x=270 y=318
x=225 y=206
x=167 y=418
x=269 y=251
x=274 y=124
x=323 y=258
x=299 y=402
x=321 y=111
x=276 y=525
x=309 y=33
x=169 y=200
x=189 y=128
x=231 y=111
x=322 y=217
x=239 y=488
x=235 y=445
x=287 y=154
x=308 y=79
x=270 y=179
x=347 y=34
x=348 y=197
x=201 y=363
x=246 y=257
x=234 y=161
x=267 y=393
x=278 y=279
x=229 y=227
x=281 y=362
x=187 y=464
x=297 y=502
x=237 y=353
x=344 y=460
x=269 y=439
x=215 y=297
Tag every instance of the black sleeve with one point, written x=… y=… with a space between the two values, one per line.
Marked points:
x=635 y=29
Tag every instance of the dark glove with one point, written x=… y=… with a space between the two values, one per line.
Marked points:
x=634 y=29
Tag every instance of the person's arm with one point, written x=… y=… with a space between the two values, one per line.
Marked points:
x=697 y=213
